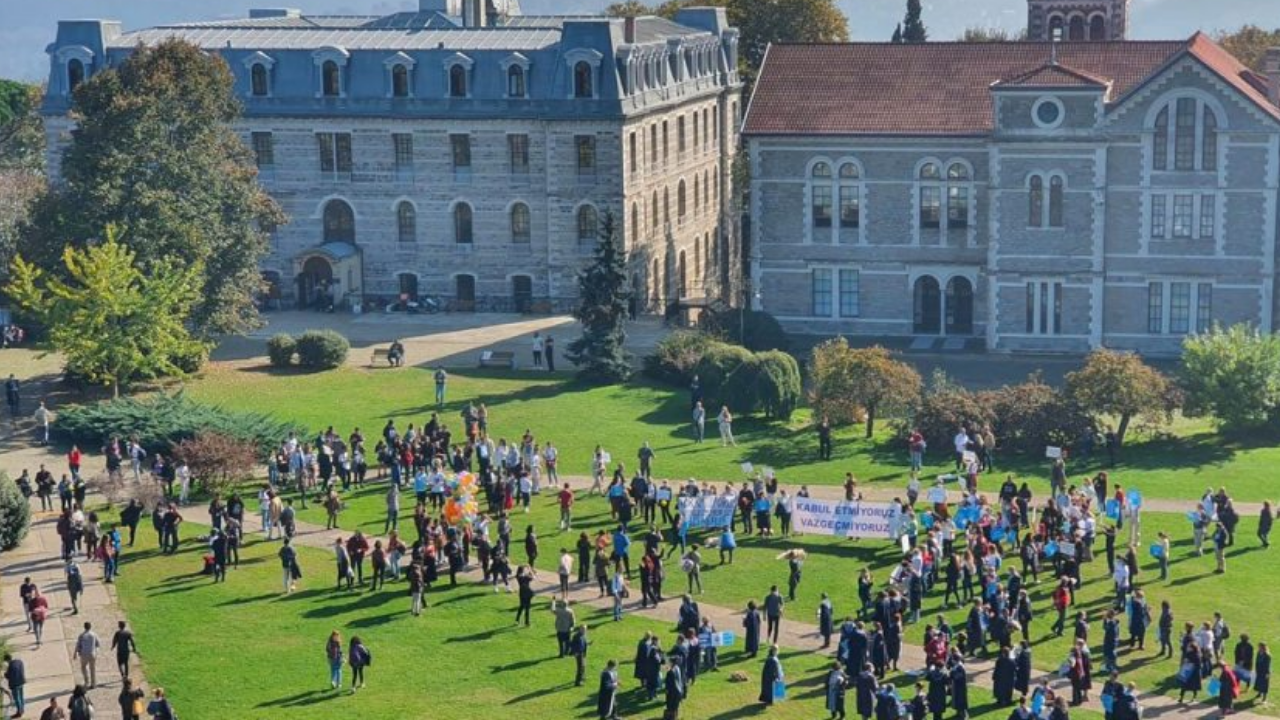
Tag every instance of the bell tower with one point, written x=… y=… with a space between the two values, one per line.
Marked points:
x=1077 y=20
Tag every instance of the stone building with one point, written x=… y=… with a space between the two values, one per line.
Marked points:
x=1029 y=196
x=467 y=151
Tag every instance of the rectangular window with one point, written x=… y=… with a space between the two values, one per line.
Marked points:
x=848 y=293
x=1208 y=215
x=822 y=292
x=822 y=206
x=849 y=207
x=1183 y=207
x=264 y=149
x=1031 y=307
x=1184 y=139
x=930 y=207
x=518 y=147
x=1179 y=308
x=586 y=149
x=680 y=135
x=666 y=141
x=1155 y=308
x=1157 y=216
x=1204 y=307
x=631 y=156
x=1057 y=308
x=957 y=208
x=335 y=153
x=460 y=147
x=653 y=145
x=403 y=145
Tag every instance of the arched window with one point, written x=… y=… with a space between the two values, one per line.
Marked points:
x=635 y=223
x=457 y=80
x=957 y=196
x=1185 y=136
x=697 y=194
x=850 y=196
x=1209 y=147
x=1076 y=31
x=406 y=222
x=75 y=74
x=521 y=230
x=655 y=280
x=930 y=197
x=258 y=80
x=339 y=222
x=821 y=171
x=1035 y=205
x=583 y=82
x=1055 y=201
x=462 y=224
x=331 y=79
x=1097 y=28
x=706 y=184
x=515 y=82
x=930 y=171
x=1056 y=29
x=849 y=171
x=588 y=224
x=653 y=210
x=680 y=201
x=400 y=81
x=666 y=206
x=1160 y=145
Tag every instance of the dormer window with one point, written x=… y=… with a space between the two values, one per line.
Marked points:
x=258 y=80
x=457 y=81
x=76 y=63
x=584 y=64
x=583 y=82
x=515 y=82
x=399 y=81
x=75 y=74
x=330 y=62
x=458 y=75
x=331 y=79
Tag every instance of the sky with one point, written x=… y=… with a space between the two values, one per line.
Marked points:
x=27 y=27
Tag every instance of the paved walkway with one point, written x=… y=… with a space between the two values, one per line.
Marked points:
x=794 y=634
x=51 y=670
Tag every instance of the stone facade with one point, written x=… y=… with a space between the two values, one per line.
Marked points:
x=435 y=153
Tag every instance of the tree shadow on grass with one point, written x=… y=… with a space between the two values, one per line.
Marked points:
x=311 y=697
x=366 y=601
x=482 y=635
x=539 y=693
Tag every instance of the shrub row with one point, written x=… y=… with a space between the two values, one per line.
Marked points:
x=747 y=382
x=314 y=349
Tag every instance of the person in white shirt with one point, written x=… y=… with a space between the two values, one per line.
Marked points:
x=725 y=420
x=184 y=483
x=1121 y=578
x=565 y=571
x=538 y=346
x=136 y=455
x=42 y=416
x=961 y=443
x=535 y=470
x=87 y=645
x=549 y=454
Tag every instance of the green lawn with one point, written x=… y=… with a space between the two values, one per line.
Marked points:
x=241 y=649
x=576 y=419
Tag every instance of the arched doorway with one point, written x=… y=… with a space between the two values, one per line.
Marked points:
x=522 y=293
x=408 y=286
x=959 y=306
x=314 y=282
x=927 y=306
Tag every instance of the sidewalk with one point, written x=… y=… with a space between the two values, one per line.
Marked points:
x=51 y=670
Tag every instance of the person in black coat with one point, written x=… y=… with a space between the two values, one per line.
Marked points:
x=938 y=682
x=1022 y=669
x=641 y=670
x=1003 y=677
x=973 y=628
x=919 y=705
x=826 y=621
x=771 y=673
x=879 y=653
x=858 y=649
x=1244 y=658
x=607 y=701
x=959 y=688
x=866 y=687
x=887 y=703
x=836 y=683
x=1262 y=672
x=674 y=686
x=751 y=625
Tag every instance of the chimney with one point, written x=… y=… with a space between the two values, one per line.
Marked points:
x=1271 y=68
x=629 y=29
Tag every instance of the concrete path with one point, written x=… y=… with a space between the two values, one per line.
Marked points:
x=51 y=669
x=794 y=634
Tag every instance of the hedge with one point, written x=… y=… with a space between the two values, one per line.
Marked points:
x=280 y=350
x=322 y=349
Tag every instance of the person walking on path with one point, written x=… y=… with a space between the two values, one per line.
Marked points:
x=122 y=642
x=15 y=676
x=565 y=571
x=42 y=417
x=87 y=646
x=39 y=606
x=79 y=707
x=12 y=396
x=75 y=585
x=773 y=603
x=160 y=708
x=130 y=701
x=725 y=421
x=333 y=652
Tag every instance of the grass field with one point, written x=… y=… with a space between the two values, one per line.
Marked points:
x=241 y=649
x=1179 y=465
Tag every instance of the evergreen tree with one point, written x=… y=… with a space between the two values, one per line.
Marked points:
x=913 y=29
x=897 y=35
x=602 y=308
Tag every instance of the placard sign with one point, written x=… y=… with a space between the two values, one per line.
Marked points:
x=708 y=511
x=847 y=519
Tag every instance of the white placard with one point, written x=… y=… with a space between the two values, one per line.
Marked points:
x=937 y=495
x=748 y=468
x=847 y=519
x=1053 y=453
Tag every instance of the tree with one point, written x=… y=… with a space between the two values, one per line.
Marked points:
x=897 y=35
x=1233 y=374
x=218 y=462
x=628 y=8
x=978 y=34
x=154 y=151
x=845 y=379
x=762 y=22
x=1120 y=384
x=21 y=128
x=1249 y=44
x=913 y=29
x=113 y=320
x=15 y=513
x=602 y=308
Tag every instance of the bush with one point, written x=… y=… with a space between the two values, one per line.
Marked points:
x=161 y=422
x=761 y=330
x=944 y=408
x=1232 y=374
x=778 y=384
x=280 y=350
x=1032 y=415
x=322 y=349
x=713 y=371
x=218 y=462
x=676 y=356
x=15 y=513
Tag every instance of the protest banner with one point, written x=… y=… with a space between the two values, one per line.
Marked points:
x=847 y=519
x=708 y=511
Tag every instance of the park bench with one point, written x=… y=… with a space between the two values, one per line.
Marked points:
x=496 y=359
x=383 y=354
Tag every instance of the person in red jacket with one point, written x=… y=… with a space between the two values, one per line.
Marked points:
x=1228 y=689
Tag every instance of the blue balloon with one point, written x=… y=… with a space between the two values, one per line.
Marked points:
x=1050 y=549
x=1157 y=550
x=1214 y=686
x=1135 y=498
x=926 y=520
x=1108 y=701
x=1193 y=516
x=997 y=534
x=1113 y=509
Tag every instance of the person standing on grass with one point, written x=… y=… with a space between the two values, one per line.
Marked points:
x=393 y=509
x=441 y=379
x=566 y=621
x=773 y=604
x=1265 y=520
x=607 y=699
x=1262 y=672
x=823 y=429
x=565 y=570
x=699 y=422
x=646 y=455
x=378 y=561
x=619 y=590
x=1221 y=538
x=333 y=653
x=577 y=646
x=289 y=566
x=359 y=657
x=771 y=674
x=1228 y=689
x=691 y=563
x=725 y=422
x=524 y=579
x=417 y=582
x=122 y=642
x=674 y=685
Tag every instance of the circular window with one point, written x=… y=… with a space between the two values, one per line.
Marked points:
x=1048 y=112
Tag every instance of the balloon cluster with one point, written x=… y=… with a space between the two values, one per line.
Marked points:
x=461 y=508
